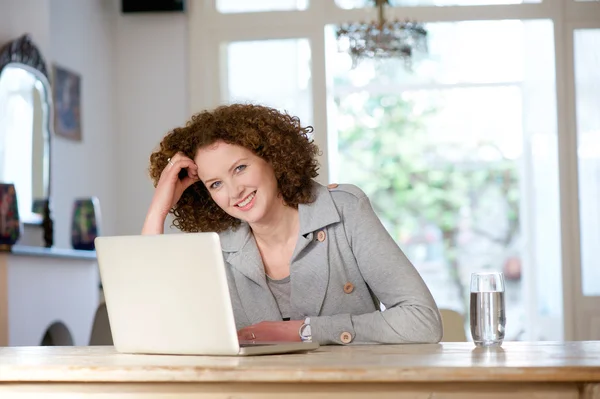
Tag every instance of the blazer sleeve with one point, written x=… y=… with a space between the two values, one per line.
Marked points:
x=411 y=314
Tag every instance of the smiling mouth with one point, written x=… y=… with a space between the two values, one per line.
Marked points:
x=246 y=200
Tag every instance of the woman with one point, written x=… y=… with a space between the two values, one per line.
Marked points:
x=304 y=261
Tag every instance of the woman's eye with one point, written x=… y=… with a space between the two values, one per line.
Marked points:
x=240 y=168
x=216 y=184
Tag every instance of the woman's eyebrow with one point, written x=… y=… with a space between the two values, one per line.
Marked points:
x=230 y=169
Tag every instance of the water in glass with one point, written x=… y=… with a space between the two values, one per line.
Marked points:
x=487 y=312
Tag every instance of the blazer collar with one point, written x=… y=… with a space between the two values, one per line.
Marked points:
x=241 y=252
x=234 y=240
x=319 y=213
x=240 y=248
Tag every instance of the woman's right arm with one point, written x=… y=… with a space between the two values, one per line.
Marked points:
x=168 y=191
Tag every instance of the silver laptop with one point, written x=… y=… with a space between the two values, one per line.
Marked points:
x=168 y=294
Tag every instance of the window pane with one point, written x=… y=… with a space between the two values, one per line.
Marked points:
x=349 y=4
x=271 y=72
x=459 y=159
x=235 y=6
x=587 y=89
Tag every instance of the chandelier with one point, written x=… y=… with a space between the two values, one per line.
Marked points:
x=382 y=39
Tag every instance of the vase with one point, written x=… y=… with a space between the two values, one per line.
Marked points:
x=85 y=226
x=38 y=206
x=10 y=225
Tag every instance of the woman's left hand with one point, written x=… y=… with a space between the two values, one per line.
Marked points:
x=269 y=331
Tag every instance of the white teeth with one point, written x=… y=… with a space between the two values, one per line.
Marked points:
x=246 y=201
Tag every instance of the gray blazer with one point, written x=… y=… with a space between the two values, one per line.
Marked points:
x=344 y=264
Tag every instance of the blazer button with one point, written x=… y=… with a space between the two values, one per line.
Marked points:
x=321 y=236
x=332 y=185
x=346 y=337
x=348 y=288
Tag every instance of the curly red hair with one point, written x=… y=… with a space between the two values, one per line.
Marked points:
x=276 y=137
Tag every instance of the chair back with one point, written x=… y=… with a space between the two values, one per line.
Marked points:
x=454 y=326
x=101 y=334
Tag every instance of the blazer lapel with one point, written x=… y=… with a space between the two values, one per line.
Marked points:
x=309 y=277
x=310 y=261
x=309 y=266
x=255 y=296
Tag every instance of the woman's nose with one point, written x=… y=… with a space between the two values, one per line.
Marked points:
x=236 y=192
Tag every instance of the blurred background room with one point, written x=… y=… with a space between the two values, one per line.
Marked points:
x=473 y=126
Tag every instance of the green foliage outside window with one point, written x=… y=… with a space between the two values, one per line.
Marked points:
x=416 y=178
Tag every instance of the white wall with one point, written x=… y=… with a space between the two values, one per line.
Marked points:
x=26 y=16
x=152 y=98
x=82 y=38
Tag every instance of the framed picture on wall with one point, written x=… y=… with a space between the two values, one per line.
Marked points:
x=66 y=93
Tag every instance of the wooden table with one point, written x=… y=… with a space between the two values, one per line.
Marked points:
x=549 y=370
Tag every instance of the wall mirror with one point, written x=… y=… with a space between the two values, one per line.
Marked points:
x=26 y=130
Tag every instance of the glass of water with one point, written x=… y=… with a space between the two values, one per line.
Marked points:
x=487 y=315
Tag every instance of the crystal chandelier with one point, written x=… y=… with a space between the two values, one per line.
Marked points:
x=382 y=39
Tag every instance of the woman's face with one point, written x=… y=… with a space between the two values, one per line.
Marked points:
x=240 y=182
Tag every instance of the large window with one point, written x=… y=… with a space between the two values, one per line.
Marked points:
x=276 y=73
x=444 y=153
x=460 y=156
